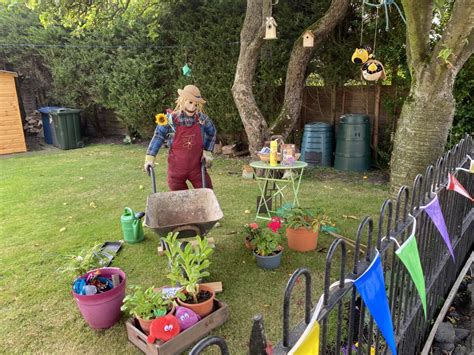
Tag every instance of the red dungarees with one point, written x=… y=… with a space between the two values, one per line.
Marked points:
x=184 y=159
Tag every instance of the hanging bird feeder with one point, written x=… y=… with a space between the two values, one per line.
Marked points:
x=270 y=28
x=308 y=39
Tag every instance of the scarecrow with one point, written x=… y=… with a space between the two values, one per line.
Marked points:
x=191 y=137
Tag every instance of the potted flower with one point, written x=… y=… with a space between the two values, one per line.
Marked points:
x=268 y=250
x=146 y=305
x=188 y=267
x=251 y=230
x=302 y=227
x=98 y=298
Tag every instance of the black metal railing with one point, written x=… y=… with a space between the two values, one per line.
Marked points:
x=343 y=316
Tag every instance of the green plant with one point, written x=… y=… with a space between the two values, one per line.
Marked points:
x=251 y=231
x=297 y=217
x=267 y=240
x=188 y=264
x=146 y=304
x=88 y=259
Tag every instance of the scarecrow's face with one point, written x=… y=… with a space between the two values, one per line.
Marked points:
x=190 y=106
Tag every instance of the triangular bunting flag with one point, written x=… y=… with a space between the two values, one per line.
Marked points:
x=308 y=343
x=455 y=185
x=371 y=288
x=434 y=211
x=471 y=166
x=408 y=254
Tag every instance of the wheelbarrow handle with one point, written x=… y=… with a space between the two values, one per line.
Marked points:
x=151 y=172
x=203 y=172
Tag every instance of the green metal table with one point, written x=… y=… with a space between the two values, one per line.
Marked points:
x=273 y=185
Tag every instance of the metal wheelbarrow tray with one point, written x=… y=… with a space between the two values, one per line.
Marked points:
x=189 y=212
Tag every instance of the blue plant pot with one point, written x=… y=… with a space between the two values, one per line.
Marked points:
x=269 y=262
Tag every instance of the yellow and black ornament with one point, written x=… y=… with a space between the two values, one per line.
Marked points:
x=373 y=70
x=361 y=55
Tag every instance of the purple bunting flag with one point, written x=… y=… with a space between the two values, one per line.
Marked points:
x=433 y=210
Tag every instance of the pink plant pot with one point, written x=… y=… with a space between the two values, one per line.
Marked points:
x=102 y=310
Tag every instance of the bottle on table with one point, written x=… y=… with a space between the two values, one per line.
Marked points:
x=273 y=153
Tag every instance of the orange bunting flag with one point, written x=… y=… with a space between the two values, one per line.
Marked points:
x=455 y=185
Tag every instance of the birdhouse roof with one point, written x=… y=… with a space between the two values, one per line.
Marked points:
x=271 y=21
x=308 y=33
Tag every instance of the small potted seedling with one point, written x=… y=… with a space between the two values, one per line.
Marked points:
x=189 y=267
x=146 y=305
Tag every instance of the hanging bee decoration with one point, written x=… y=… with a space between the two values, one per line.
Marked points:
x=361 y=55
x=372 y=69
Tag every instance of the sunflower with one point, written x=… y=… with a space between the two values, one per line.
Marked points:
x=161 y=119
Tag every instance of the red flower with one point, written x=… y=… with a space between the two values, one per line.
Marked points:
x=253 y=225
x=275 y=224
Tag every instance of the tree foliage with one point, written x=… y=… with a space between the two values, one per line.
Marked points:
x=127 y=55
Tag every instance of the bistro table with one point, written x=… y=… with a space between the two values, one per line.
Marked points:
x=275 y=182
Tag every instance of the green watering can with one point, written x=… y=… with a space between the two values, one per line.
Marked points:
x=132 y=228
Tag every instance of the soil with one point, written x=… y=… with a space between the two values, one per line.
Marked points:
x=201 y=297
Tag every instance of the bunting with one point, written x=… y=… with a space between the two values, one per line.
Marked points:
x=471 y=166
x=308 y=343
x=410 y=257
x=455 y=185
x=434 y=211
x=371 y=288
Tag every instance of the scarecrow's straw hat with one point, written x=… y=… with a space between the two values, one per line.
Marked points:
x=191 y=92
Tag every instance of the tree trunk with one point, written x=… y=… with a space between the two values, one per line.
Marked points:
x=427 y=114
x=422 y=132
x=299 y=59
x=251 y=40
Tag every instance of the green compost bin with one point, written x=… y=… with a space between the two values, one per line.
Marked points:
x=67 y=126
x=353 y=143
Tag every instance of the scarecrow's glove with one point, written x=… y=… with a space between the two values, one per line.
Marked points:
x=207 y=156
x=149 y=161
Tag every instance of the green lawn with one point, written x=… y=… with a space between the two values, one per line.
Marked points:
x=85 y=191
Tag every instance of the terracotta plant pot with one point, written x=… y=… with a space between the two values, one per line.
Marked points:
x=145 y=324
x=203 y=308
x=302 y=239
x=248 y=244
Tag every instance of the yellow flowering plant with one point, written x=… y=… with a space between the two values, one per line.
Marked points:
x=161 y=119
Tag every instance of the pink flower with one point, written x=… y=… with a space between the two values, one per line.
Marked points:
x=253 y=225
x=275 y=224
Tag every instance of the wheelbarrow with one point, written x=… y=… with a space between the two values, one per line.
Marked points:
x=188 y=212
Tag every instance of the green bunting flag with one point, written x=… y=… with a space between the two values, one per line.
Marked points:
x=408 y=254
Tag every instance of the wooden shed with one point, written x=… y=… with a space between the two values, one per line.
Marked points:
x=12 y=138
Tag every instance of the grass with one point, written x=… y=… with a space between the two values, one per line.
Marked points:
x=85 y=191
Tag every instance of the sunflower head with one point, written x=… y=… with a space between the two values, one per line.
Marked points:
x=161 y=119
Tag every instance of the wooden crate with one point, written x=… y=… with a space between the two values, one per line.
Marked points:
x=184 y=339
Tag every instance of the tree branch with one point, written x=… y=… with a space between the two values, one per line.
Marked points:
x=299 y=59
x=458 y=36
x=418 y=15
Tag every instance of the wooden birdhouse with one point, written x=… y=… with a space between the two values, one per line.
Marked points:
x=308 y=39
x=12 y=138
x=270 y=28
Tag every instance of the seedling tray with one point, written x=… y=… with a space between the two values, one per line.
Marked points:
x=184 y=339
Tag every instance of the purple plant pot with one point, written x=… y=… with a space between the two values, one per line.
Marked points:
x=102 y=310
